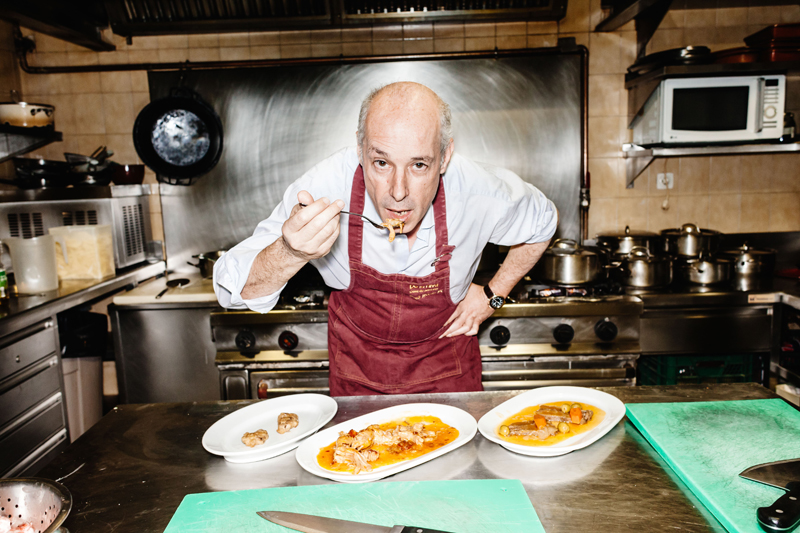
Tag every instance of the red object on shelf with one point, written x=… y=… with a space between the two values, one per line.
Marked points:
x=793 y=273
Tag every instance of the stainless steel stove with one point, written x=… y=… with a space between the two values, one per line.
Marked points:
x=566 y=340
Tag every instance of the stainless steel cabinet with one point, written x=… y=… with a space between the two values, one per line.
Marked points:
x=32 y=414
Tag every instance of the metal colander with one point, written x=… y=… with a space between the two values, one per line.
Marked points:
x=42 y=503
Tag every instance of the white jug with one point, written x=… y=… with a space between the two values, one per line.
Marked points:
x=34 y=263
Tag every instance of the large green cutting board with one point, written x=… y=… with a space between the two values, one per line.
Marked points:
x=469 y=506
x=709 y=443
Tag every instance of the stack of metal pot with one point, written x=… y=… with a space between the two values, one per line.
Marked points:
x=637 y=258
x=695 y=252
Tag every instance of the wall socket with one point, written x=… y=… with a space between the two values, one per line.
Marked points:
x=664 y=181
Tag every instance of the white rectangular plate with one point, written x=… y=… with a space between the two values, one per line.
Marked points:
x=224 y=437
x=613 y=408
x=452 y=416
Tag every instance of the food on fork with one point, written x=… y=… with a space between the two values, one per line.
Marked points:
x=547 y=424
x=385 y=444
x=391 y=224
x=256 y=438
x=287 y=422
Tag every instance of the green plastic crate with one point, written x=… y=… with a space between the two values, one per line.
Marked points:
x=681 y=369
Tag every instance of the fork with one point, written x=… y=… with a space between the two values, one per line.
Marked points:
x=379 y=226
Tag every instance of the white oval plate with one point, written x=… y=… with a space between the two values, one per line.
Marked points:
x=452 y=416
x=224 y=437
x=614 y=409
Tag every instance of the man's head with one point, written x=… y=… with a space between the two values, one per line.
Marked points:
x=404 y=144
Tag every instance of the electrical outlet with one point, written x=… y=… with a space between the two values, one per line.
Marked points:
x=664 y=181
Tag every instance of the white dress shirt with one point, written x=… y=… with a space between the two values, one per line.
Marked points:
x=484 y=204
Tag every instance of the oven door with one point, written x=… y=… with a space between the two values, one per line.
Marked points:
x=521 y=371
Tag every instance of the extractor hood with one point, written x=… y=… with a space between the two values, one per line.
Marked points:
x=158 y=17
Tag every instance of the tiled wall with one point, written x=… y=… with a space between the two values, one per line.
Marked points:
x=738 y=193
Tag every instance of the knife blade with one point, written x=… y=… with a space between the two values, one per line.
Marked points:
x=784 y=514
x=308 y=523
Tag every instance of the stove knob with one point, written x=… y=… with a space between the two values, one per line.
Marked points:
x=500 y=335
x=606 y=330
x=563 y=334
x=245 y=340
x=263 y=389
x=288 y=340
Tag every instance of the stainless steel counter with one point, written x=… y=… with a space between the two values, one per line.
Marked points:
x=21 y=311
x=130 y=472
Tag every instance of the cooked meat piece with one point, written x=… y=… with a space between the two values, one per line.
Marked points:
x=554 y=415
x=256 y=438
x=23 y=528
x=529 y=429
x=287 y=422
x=358 y=460
x=5 y=524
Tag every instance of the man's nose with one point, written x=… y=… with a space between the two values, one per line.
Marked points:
x=399 y=186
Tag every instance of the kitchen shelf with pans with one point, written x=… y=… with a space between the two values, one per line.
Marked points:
x=16 y=141
x=638 y=158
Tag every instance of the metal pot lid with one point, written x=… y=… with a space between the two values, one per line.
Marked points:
x=627 y=234
x=689 y=229
x=747 y=250
x=642 y=254
x=562 y=247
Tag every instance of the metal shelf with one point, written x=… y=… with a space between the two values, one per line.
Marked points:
x=18 y=141
x=638 y=158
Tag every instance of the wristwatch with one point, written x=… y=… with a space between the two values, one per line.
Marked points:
x=495 y=301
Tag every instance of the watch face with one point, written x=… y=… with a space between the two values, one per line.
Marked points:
x=496 y=302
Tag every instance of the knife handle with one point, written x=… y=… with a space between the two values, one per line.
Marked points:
x=784 y=514
x=412 y=529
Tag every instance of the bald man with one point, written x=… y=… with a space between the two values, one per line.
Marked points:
x=403 y=315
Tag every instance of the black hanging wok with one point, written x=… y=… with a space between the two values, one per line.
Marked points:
x=179 y=137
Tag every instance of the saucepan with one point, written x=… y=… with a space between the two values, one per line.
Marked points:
x=705 y=270
x=567 y=263
x=642 y=269
x=205 y=262
x=690 y=241
x=751 y=266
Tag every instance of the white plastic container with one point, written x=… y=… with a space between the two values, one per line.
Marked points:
x=89 y=251
x=83 y=387
x=34 y=263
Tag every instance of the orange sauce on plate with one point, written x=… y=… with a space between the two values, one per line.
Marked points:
x=526 y=415
x=444 y=435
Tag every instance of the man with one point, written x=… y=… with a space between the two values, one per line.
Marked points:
x=403 y=316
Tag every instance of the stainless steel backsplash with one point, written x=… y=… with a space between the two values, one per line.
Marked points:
x=523 y=113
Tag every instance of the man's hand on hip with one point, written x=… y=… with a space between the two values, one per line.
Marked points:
x=310 y=231
x=470 y=313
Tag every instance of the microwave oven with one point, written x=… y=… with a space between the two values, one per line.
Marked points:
x=708 y=110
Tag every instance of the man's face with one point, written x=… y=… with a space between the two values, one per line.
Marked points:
x=402 y=160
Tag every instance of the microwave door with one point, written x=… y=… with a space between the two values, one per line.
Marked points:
x=711 y=110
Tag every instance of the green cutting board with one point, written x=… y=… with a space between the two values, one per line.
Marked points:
x=468 y=506
x=708 y=444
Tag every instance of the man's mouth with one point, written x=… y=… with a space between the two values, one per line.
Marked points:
x=399 y=215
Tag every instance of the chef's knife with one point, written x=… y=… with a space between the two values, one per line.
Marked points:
x=784 y=514
x=309 y=523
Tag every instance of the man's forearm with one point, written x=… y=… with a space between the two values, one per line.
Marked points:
x=272 y=268
x=518 y=262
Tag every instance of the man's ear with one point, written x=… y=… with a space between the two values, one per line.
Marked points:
x=448 y=153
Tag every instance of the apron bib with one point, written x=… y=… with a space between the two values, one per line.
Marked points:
x=383 y=330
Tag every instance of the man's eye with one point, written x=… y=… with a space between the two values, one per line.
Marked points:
x=380 y=163
x=419 y=166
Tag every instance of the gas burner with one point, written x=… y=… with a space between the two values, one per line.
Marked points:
x=538 y=292
x=303 y=299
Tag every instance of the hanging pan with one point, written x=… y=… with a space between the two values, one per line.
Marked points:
x=179 y=137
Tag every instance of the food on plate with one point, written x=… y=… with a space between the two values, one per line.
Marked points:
x=391 y=224
x=256 y=438
x=287 y=422
x=385 y=444
x=547 y=424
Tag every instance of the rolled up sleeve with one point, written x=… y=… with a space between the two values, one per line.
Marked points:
x=527 y=215
x=233 y=268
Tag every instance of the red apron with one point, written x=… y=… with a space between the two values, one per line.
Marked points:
x=383 y=330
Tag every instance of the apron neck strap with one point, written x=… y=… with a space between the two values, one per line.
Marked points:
x=355 y=230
